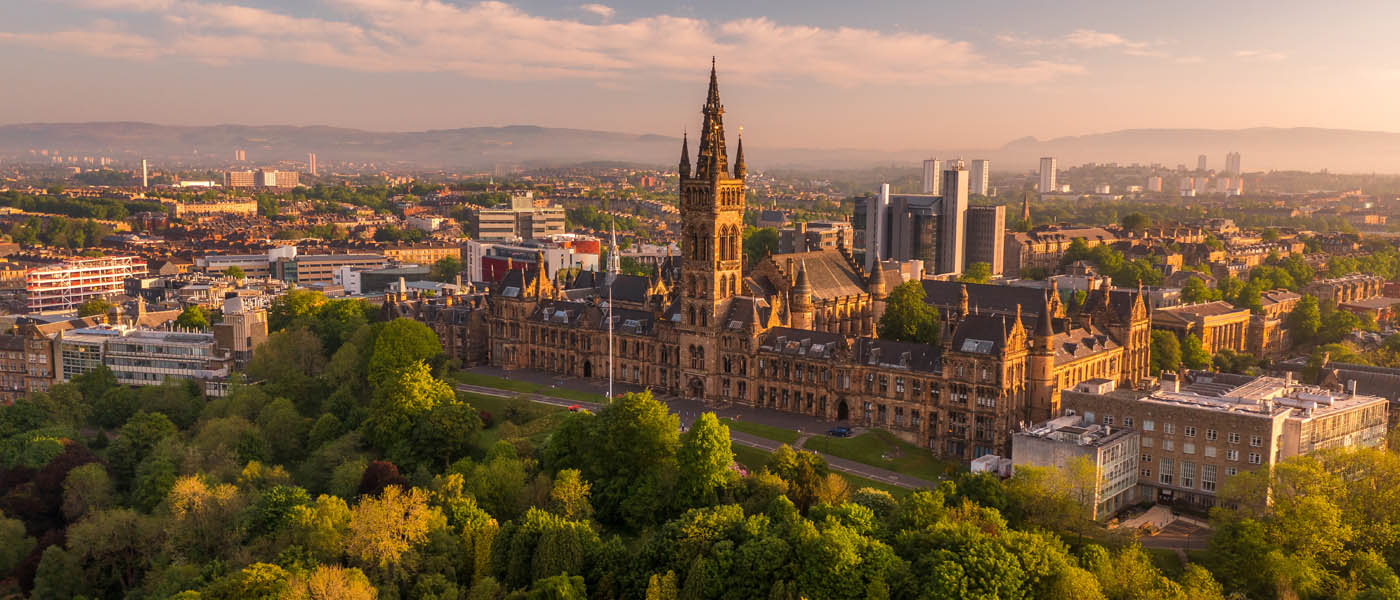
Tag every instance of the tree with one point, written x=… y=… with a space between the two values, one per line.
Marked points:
x=1337 y=325
x=135 y=441
x=59 y=575
x=116 y=546
x=569 y=497
x=399 y=403
x=1195 y=290
x=1304 y=321
x=978 y=272
x=85 y=489
x=1165 y=351
x=296 y=305
x=288 y=363
x=234 y=272
x=446 y=269
x=448 y=431
x=330 y=582
x=399 y=345
x=759 y=243
x=703 y=460
x=385 y=527
x=908 y=318
x=193 y=317
x=1193 y=353
x=94 y=306
x=14 y=543
x=1136 y=222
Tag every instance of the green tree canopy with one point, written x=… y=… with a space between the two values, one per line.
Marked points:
x=908 y=318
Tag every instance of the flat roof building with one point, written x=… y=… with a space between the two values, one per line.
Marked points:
x=1113 y=452
x=1201 y=430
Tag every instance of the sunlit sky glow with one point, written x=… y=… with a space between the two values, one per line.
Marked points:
x=795 y=73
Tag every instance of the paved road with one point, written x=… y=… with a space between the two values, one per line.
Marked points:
x=689 y=410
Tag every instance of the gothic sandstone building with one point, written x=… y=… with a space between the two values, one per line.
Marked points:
x=797 y=332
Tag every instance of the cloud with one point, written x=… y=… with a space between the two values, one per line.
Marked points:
x=598 y=9
x=1260 y=55
x=1088 y=38
x=497 y=41
x=1083 y=39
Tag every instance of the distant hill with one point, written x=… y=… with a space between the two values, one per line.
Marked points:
x=1340 y=150
x=1261 y=148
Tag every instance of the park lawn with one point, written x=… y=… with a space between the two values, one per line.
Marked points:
x=526 y=387
x=869 y=448
x=754 y=459
x=777 y=434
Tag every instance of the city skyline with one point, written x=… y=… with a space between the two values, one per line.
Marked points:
x=410 y=65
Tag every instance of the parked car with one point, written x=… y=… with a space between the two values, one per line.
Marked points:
x=575 y=408
x=839 y=432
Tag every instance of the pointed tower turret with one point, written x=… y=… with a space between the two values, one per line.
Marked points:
x=803 y=310
x=685 y=155
x=877 y=283
x=1044 y=397
x=614 y=260
x=739 y=169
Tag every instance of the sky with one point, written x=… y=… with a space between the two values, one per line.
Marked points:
x=794 y=73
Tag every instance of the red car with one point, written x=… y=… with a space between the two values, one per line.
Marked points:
x=574 y=408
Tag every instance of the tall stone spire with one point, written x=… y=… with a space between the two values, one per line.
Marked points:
x=614 y=261
x=712 y=160
x=685 y=155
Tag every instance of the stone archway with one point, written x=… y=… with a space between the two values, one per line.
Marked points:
x=843 y=412
x=588 y=369
x=697 y=388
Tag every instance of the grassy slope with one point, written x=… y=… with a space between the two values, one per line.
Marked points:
x=869 y=448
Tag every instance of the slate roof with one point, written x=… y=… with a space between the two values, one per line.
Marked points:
x=743 y=310
x=983 y=333
x=911 y=356
x=987 y=298
x=625 y=288
x=801 y=342
x=828 y=271
x=1078 y=342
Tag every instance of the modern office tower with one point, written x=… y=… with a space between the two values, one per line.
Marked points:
x=145 y=181
x=1047 y=175
x=275 y=179
x=523 y=220
x=1154 y=183
x=979 y=173
x=1232 y=163
x=235 y=179
x=925 y=227
x=1201 y=163
x=952 y=234
x=933 y=176
x=874 y=224
x=986 y=237
x=311 y=163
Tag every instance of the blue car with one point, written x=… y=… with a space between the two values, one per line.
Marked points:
x=839 y=432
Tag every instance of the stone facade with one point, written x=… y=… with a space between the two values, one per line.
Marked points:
x=1219 y=325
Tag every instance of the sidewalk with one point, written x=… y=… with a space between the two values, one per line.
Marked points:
x=689 y=410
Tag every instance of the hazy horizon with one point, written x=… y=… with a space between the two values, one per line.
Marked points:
x=939 y=75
